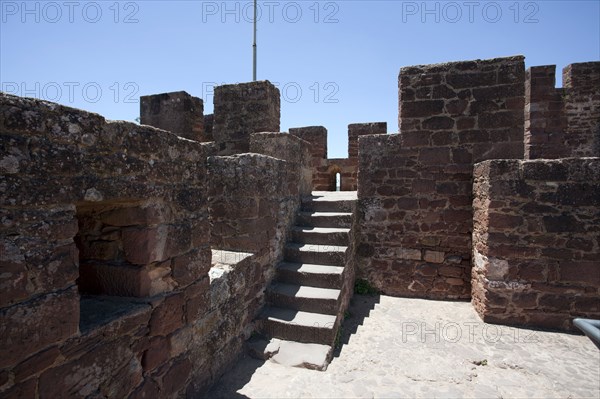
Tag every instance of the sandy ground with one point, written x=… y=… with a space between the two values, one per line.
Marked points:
x=399 y=347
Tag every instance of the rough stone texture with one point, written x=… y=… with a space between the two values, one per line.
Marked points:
x=536 y=241
x=360 y=129
x=475 y=106
x=111 y=210
x=325 y=170
x=253 y=199
x=581 y=84
x=317 y=137
x=243 y=109
x=415 y=205
x=106 y=284
x=290 y=148
x=108 y=208
x=177 y=112
x=564 y=122
x=326 y=179
x=237 y=282
x=545 y=122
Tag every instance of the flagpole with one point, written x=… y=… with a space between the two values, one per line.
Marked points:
x=254 y=47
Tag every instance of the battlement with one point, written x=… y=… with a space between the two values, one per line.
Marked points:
x=136 y=258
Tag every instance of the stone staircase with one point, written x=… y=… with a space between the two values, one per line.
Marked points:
x=312 y=286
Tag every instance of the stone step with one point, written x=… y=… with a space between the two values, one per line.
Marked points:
x=325 y=219
x=309 y=274
x=317 y=203
x=333 y=255
x=305 y=298
x=299 y=326
x=321 y=235
x=290 y=353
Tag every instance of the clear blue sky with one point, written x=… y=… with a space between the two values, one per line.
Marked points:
x=336 y=62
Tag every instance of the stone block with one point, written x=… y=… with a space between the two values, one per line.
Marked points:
x=31 y=326
x=157 y=354
x=434 y=256
x=111 y=370
x=168 y=315
x=176 y=112
x=243 y=109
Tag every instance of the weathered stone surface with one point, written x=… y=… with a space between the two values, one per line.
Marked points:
x=176 y=112
x=414 y=188
x=360 y=129
x=581 y=85
x=252 y=197
x=563 y=122
x=289 y=148
x=528 y=257
x=325 y=171
x=243 y=109
x=37 y=324
x=110 y=370
x=168 y=315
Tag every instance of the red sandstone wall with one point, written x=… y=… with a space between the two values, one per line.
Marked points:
x=121 y=211
x=146 y=191
x=253 y=199
x=355 y=130
x=562 y=123
x=536 y=241
x=414 y=189
x=324 y=170
x=243 y=109
x=177 y=112
x=290 y=148
x=581 y=84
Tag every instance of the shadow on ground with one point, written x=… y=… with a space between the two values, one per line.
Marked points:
x=358 y=311
x=242 y=374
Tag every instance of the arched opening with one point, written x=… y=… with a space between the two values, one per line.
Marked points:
x=334 y=173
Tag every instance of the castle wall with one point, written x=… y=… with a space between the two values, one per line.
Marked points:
x=176 y=112
x=414 y=191
x=292 y=149
x=253 y=198
x=581 y=84
x=146 y=191
x=565 y=122
x=243 y=109
x=355 y=130
x=324 y=169
x=109 y=286
x=536 y=241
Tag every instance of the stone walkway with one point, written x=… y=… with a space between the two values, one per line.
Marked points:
x=399 y=347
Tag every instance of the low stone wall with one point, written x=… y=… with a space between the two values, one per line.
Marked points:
x=293 y=150
x=414 y=219
x=253 y=200
x=535 y=241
